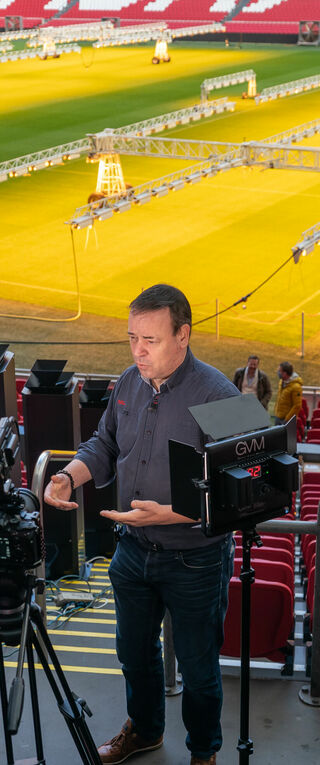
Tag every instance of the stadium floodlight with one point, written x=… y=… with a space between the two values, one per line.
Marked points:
x=83 y=221
x=160 y=191
x=122 y=206
x=208 y=172
x=143 y=198
x=193 y=177
x=104 y=213
x=55 y=161
x=177 y=184
x=40 y=165
x=311 y=237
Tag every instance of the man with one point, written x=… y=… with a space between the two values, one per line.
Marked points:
x=289 y=398
x=163 y=560
x=250 y=379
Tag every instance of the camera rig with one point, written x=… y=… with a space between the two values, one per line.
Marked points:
x=21 y=545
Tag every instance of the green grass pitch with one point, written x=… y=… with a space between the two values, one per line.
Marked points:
x=218 y=239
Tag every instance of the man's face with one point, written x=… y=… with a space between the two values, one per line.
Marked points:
x=253 y=365
x=156 y=351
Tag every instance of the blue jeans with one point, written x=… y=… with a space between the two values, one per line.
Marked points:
x=193 y=585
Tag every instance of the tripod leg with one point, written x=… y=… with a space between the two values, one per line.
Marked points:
x=4 y=704
x=72 y=708
x=34 y=702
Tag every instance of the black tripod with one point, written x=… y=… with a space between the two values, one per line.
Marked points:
x=245 y=744
x=16 y=627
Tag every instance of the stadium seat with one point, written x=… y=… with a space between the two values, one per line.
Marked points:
x=20 y=383
x=311 y=477
x=271 y=622
x=272 y=554
x=310 y=590
x=313 y=435
x=305 y=407
x=269 y=571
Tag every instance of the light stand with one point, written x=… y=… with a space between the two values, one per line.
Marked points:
x=245 y=744
x=238 y=482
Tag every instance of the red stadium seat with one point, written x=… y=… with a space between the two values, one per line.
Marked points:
x=286 y=541
x=310 y=590
x=311 y=477
x=270 y=553
x=305 y=407
x=313 y=435
x=272 y=619
x=269 y=571
x=20 y=383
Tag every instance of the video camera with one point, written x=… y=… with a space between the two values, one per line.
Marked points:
x=21 y=543
x=240 y=480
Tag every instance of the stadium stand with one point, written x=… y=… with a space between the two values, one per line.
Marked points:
x=274 y=16
x=262 y=17
x=174 y=12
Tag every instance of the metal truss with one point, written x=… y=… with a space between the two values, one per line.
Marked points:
x=288 y=88
x=103 y=209
x=169 y=147
x=23 y=54
x=73 y=32
x=309 y=239
x=295 y=134
x=222 y=157
x=149 y=146
x=280 y=156
x=42 y=159
x=146 y=32
x=215 y=83
x=178 y=117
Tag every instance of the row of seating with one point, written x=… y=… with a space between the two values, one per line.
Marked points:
x=308 y=430
x=279 y=10
x=309 y=503
x=284 y=12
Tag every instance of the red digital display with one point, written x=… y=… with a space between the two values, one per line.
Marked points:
x=255 y=471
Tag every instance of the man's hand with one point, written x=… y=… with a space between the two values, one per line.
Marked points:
x=146 y=513
x=58 y=491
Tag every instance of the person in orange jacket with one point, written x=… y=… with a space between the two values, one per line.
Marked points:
x=289 y=398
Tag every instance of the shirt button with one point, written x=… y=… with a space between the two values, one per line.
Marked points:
x=137 y=493
x=143 y=462
x=148 y=432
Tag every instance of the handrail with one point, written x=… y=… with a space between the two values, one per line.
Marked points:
x=37 y=486
x=306 y=527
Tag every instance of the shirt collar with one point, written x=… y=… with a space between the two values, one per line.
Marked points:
x=177 y=375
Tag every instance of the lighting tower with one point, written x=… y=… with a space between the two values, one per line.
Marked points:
x=110 y=181
x=161 y=52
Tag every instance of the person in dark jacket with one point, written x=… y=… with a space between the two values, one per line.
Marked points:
x=162 y=560
x=250 y=379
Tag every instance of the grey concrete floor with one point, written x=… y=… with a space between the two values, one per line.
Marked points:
x=284 y=729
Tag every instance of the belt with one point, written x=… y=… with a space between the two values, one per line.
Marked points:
x=145 y=544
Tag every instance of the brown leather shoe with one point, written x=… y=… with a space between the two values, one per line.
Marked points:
x=124 y=745
x=195 y=760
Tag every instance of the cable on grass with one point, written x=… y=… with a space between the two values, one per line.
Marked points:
x=245 y=297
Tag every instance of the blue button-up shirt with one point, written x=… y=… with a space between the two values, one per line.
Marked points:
x=133 y=434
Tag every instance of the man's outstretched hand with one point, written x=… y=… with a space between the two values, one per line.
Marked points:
x=58 y=492
x=146 y=513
